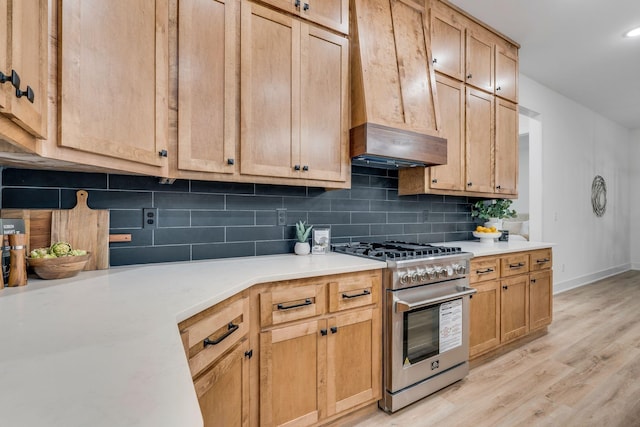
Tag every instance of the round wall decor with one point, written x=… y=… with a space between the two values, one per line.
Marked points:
x=599 y=195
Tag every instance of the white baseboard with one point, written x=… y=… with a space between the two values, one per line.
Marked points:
x=559 y=287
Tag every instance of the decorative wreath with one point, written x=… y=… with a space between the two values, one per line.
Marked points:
x=599 y=195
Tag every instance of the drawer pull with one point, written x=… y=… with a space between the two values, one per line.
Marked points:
x=518 y=265
x=364 y=293
x=542 y=261
x=231 y=329
x=334 y=329
x=488 y=270
x=289 y=307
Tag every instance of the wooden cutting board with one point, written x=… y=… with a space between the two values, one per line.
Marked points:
x=83 y=228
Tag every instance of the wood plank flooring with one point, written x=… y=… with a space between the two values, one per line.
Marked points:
x=584 y=372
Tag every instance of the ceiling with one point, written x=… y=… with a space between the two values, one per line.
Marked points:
x=574 y=47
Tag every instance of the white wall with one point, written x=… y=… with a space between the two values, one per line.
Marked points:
x=521 y=204
x=634 y=196
x=577 y=145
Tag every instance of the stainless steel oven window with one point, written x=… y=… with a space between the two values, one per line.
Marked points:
x=421 y=337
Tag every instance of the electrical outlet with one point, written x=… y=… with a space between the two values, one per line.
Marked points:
x=150 y=218
x=282 y=216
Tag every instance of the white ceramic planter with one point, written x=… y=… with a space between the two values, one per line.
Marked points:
x=302 y=248
x=494 y=222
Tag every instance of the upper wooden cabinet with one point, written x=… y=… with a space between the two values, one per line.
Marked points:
x=208 y=46
x=447 y=44
x=506 y=148
x=23 y=64
x=333 y=14
x=113 y=78
x=293 y=98
x=479 y=141
x=506 y=83
x=480 y=59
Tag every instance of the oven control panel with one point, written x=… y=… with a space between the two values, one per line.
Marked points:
x=432 y=273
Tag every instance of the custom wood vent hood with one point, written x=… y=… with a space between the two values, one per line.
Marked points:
x=394 y=115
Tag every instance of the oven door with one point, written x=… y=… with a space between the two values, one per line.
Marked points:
x=428 y=332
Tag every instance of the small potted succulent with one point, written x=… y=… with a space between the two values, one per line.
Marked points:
x=302 y=246
x=493 y=211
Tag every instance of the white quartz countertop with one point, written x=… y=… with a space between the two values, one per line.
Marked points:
x=103 y=348
x=497 y=248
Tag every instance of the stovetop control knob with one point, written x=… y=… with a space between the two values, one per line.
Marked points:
x=424 y=276
x=415 y=277
x=459 y=269
x=440 y=272
x=405 y=279
x=431 y=272
x=449 y=271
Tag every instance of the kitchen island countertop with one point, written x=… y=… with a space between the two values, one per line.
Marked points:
x=103 y=348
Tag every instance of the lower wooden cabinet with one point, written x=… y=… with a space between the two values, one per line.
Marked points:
x=484 y=318
x=223 y=390
x=514 y=298
x=514 y=307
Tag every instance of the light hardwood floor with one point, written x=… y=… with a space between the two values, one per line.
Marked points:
x=584 y=372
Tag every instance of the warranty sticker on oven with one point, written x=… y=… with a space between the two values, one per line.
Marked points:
x=450 y=325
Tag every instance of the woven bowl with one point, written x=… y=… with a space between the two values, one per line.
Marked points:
x=58 y=268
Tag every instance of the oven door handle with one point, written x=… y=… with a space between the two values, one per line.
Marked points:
x=402 y=306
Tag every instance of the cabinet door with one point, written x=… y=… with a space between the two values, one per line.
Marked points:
x=506 y=149
x=451 y=102
x=207 y=85
x=479 y=141
x=324 y=101
x=24 y=49
x=540 y=299
x=447 y=45
x=506 y=74
x=223 y=390
x=484 y=318
x=290 y=372
x=113 y=76
x=353 y=360
x=332 y=14
x=270 y=93
x=514 y=307
x=480 y=59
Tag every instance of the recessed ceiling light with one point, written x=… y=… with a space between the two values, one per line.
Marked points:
x=633 y=33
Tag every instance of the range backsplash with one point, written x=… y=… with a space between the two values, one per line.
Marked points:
x=205 y=220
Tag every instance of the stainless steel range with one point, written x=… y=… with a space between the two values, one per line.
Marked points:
x=425 y=317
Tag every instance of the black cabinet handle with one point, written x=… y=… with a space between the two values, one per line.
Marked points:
x=306 y=6
x=334 y=329
x=296 y=168
x=289 y=307
x=469 y=75
x=434 y=180
x=231 y=161
x=469 y=184
x=231 y=329
x=505 y=287
x=498 y=88
x=364 y=293
x=5 y=77
x=28 y=93
x=542 y=261
x=323 y=332
x=434 y=60
x=248 y=354
x=488 y=270
x=305 y=168
x=498 y=187
x=163 y=153
x=297 y=4
x=14 y=78
x=533 y=280
x=518 y=265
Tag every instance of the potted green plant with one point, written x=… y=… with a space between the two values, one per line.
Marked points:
x=302 y=246
x=493 y=211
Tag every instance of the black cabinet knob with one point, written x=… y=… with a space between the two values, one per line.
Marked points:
x=323 y=332
x=28 y=93
x=306 y=6
x=297 y=4
x=435 y=60
x=505 y=287
x=163 y=153
x=469 y=75
x=231 y=161
x=498 y=187
x=296 y=168
x=434 y=180
x=498 y=88
x=305 y=168
x=334 y=329
x=469 y=184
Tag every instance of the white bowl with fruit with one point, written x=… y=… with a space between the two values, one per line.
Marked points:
x=486 y=234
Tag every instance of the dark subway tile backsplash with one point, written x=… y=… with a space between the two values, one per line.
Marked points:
x=200 y=220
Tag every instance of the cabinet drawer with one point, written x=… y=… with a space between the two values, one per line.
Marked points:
x=209 y=334
x=514 y=265
x=353 y=291
x=541 y=259
x=483 y=269
x=286 y=304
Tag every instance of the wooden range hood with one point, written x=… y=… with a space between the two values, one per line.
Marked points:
x=394 y=114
